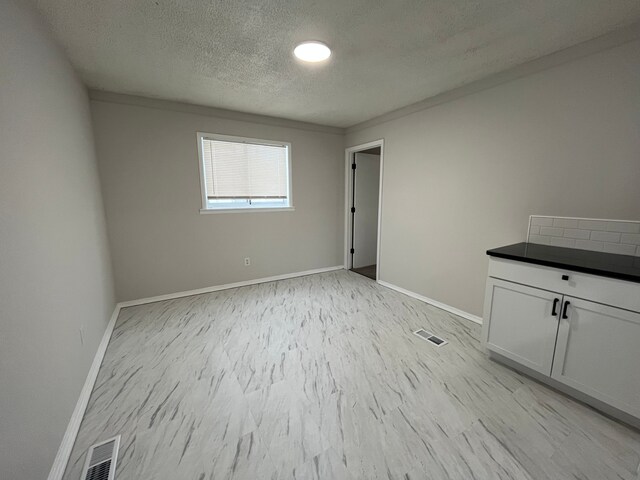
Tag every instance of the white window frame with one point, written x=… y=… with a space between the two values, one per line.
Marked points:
x=243 y=207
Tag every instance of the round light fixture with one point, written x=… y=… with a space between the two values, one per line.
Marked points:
x=312 y=52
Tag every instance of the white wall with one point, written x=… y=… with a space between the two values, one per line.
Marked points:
x=55 y=275
x=160 y=242
x=464 y=176
x=365 y=224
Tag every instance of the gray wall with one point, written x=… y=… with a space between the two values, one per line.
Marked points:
x=463 y=176
x=161 y=244
x=55 y=275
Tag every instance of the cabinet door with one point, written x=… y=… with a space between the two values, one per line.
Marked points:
x=521 y=324
x=598 y=353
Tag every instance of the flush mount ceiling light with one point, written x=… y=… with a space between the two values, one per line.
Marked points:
x=312 y=52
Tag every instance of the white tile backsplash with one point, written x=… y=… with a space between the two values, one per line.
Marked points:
x=539 y=239
x=624 y=227
x=590 y=245
x=552 y=231
x=631 y=238
x=562 y=242
x=542 y=221
x=566 y=222
x=577 y=233
x=587 y=224
x=612 y=236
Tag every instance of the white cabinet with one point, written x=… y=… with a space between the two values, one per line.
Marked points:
x=598 y=353
x=563 y=334
x=524 y=323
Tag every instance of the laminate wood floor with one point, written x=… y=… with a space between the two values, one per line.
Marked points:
x=321 y=377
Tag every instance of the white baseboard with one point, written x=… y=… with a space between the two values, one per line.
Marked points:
x=64 y=451
x=188 y=293
x=435 y=303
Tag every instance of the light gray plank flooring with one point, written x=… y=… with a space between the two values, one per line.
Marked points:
x=320 y=377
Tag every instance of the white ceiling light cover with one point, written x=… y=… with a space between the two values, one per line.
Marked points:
x=312 y=52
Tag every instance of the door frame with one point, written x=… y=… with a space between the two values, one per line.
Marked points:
x=348 y=189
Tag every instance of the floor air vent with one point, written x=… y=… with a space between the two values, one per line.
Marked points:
x=429 y=337
x=101 y=460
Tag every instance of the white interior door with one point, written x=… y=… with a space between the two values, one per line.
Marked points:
x=523 y=323
x=598 y=353
x=365 y=222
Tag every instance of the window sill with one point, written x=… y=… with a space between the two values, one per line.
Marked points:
x=206 y=211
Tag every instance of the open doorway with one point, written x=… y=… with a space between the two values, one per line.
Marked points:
x=364 y=180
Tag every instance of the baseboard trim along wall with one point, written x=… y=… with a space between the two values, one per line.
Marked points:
x=435 y=303
x=226 y=286
x=64 y=451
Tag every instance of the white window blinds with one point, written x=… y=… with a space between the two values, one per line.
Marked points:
x=244 y=171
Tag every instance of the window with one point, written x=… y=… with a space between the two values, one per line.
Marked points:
x=244 y=173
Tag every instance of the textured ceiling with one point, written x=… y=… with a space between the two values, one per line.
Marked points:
x=236 y=54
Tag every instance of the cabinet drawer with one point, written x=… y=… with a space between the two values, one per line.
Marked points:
x=608 y=291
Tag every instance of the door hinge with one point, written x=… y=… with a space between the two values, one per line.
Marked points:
x=353 y=209
x=353 y=250
x=353 y=166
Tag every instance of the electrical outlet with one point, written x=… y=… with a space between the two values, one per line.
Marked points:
x=247 y=261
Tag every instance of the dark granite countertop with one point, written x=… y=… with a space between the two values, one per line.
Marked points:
x=623 y=267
